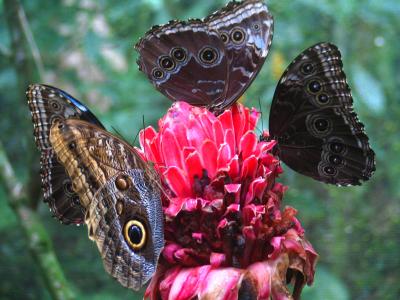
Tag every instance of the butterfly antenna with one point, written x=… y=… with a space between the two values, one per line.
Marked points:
x=137 y=133
x=134 y=140
x=144 y=136
x=261 y=113
x=119 y=134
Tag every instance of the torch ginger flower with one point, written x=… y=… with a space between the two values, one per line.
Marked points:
x=226 y=236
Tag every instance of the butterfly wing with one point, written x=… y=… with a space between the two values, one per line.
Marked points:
x=208 y=62
x=184 y=61
x=246 y=28
x=313 y=120
x=121 y=195
x=48 y=105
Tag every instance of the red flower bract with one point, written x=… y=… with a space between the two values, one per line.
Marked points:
x=226 y=235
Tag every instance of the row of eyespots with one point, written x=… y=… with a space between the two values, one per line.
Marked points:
x=207 y=55
x=168 y=63
x=321 y=126
x=237 y=36
x=69 y=193
x=314 y=87
x=334 y=159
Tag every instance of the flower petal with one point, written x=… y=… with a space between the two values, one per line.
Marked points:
x=187 y=283
x=256 y=190
x=193 y=166
x=217 y=259
x=270 y=278
x=218 y=132
x=249 y=167
x=176 y=180
x=224 y=156
x=233 y=192
x=167 y=281
x=239 y=121
x=226 y=120
x=221 y=284
x=147 y=138
x=233 y=166
x=209 y=154
x=171 y=150
x=229 y=139
x=169 y=252
x=248 y=144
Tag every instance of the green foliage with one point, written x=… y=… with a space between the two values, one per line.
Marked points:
x=327 y=286
x=87 y=49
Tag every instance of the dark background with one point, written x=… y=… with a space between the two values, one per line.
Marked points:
x=86 y=48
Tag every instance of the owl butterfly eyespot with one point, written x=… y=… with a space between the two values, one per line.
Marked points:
x=313 y=120
x=118 y=193
x=158 y=74
x=179 y=54
x=167 y=63
x=208 y=55
x=135 y=234
x=238 y=35
x=218 y=57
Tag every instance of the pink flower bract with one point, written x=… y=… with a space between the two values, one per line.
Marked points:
x=226 y=234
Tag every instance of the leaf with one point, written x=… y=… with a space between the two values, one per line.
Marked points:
x=326 y=286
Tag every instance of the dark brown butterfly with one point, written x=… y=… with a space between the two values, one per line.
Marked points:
x=118 y=192
x=312 y=118
x=209 y=62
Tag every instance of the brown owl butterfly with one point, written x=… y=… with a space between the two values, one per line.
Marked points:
x=312 y=118
x=209 y=62
x=90 y=175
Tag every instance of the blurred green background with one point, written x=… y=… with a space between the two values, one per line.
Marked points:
x=86 y=48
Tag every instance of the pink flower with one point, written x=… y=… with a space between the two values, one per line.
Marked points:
x=226 y=235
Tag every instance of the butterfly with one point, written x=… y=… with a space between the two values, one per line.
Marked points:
x=313 y=120
x=117 y=192
x=208 y=62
